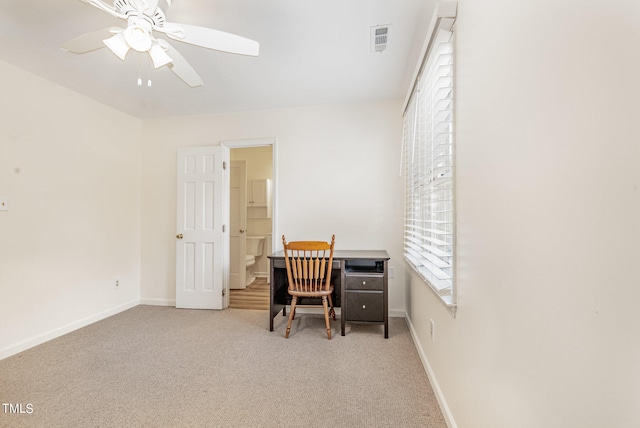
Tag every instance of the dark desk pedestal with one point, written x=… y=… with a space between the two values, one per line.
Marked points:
x=360 y=281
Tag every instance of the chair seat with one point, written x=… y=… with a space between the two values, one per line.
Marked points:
x=311 y=293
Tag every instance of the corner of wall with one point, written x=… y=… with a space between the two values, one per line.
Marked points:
x=444 y=407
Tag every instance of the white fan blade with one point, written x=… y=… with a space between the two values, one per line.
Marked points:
x=212 y=39
x=182 y=68
x=152 y=5
x=90 y=41
x=144 y=7
x=105 y=8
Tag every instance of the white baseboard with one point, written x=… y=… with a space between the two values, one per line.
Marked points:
x=446 y=412
x=393 y=313
x=157 y=302
x=23 y=345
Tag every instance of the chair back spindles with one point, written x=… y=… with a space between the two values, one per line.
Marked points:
x=309 y=267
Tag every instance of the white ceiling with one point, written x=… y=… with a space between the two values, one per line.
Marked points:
x=311 y=53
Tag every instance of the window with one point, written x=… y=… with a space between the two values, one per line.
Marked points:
x=429 y=161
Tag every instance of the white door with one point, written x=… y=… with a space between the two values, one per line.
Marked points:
x=238 y=221
x=202 y=258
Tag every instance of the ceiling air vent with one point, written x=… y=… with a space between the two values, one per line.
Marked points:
x=380 y=38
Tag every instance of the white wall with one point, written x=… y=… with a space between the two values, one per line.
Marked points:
x=337 y=174
x=70 y=169
x=548 y=150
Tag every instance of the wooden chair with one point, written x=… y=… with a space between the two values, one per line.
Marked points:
x=309 y=273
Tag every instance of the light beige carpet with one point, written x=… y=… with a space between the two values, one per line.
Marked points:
x=166 y=367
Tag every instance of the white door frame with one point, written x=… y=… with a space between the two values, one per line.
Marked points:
x=237 y=261
x=261 y=142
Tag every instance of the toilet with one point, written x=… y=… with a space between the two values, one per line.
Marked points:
x=254 y=249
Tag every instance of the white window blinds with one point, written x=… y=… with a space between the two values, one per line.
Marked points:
x=428 y=164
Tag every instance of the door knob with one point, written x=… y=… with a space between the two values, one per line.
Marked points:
x=242 y=230
x=179 y=236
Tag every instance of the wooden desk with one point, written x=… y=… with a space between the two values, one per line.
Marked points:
x=360 y=282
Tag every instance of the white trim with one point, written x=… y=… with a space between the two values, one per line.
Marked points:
x=446 y=10
x=397 y=313
x=444 y=407
x=257 y=142
x=39 y=339
x=151 y=301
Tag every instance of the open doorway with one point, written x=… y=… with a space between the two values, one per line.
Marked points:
x=252 y=219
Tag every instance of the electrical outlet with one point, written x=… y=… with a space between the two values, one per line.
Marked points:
x=432 y=330
x=117 y=283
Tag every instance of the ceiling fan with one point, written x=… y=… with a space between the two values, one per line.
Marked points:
x=143 y=18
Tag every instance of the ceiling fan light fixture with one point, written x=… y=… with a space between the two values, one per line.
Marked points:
x=117 y=45
x=138 y=38
x=159 y=56
x=143 y=17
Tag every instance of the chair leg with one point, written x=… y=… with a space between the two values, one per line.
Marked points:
x=292 y=312
x=332 y=312
x=326 y=316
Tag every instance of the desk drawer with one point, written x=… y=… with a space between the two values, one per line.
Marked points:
x=365 y=306
x=364 y=281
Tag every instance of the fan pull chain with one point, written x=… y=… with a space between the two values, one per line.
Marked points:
x=148 y=72
x=140 y=72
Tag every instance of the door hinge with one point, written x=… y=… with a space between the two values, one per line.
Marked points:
x=224 y=227
x=224 y=164
x=224 y=292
